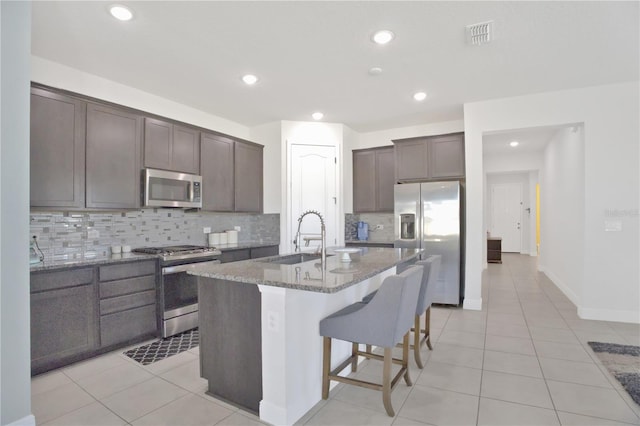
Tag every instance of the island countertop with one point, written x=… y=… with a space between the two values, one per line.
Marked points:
x=310 y=276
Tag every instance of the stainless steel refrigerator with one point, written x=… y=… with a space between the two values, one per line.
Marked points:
x=430 y=215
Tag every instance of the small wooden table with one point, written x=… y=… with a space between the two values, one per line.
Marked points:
x=494 y=250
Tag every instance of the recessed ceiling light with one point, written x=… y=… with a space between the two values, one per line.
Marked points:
x=514 y=143
x=375 y=71
x=420 y=96
x=317 y=115
x=121 y=12
x=383 y=36
x=250 y=79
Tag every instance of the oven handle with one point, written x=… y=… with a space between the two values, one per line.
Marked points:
x=183 y=268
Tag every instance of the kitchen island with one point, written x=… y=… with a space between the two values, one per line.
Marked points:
x=260 y=346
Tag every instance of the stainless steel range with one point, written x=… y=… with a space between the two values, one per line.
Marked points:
x=179 y=290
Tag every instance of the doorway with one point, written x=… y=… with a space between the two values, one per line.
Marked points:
x=313 y=185
x=506 y=215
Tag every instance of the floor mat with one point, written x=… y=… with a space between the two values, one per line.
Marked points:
x=623 y=361
x=157 y=351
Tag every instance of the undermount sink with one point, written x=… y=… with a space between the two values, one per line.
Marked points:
x=293 y=259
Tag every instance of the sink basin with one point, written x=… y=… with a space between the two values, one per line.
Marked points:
x=293 y=259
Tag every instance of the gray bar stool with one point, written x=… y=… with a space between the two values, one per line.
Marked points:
x=383 y=322
x=431 y=267
x=425 y=299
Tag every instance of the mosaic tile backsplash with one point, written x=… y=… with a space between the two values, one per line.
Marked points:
x=384 y=235
x=69 y=235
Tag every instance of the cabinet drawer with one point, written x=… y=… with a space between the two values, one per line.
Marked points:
x=128 y=286
x=127 y=270
x=68 y=278
x=127 y=325
x=122 y=303
x=264 y=251
x=235 y=255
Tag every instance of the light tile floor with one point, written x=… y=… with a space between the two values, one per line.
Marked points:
x=522 y=360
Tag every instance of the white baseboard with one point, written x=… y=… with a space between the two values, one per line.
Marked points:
x=29 y=420
x=562 y=286
x=614 y=315
x=472 y=304
x=272 y=413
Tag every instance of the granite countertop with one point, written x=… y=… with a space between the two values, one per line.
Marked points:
x=310 y=276
x=246 y=244
x=367 y=242
x=74 y=263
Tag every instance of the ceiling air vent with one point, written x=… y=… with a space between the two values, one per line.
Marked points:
x=481 y=33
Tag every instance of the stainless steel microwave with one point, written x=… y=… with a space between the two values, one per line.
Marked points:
x=172 y=189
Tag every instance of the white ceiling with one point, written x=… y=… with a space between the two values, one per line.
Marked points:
x=529 y=140
x=315 y=55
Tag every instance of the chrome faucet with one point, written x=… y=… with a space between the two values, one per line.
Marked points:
x=323 y=234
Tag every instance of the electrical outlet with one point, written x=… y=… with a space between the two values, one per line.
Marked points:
x=237 y=228
x=379 y=227
x=206 y=229
x=273 y=321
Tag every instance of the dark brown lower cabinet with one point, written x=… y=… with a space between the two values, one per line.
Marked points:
x=237 y=255
x=75 y=316
x=64 y=318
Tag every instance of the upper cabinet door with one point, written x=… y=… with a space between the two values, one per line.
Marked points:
x=447 y=156
x=385 y=180
x=217 y=173
x=185 y=152
x=114 y=140
x=412 y=160
x=57 y=150
x=364 y=181
x=248 y=177
x=158 y=137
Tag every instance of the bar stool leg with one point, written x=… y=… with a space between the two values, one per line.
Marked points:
x=386 y=382
x=427 y=325
x=326 y=366
x=417 y=336
x=405 y=358
x=354 y=357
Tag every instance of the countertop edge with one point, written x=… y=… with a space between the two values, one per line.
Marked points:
x=71 y=264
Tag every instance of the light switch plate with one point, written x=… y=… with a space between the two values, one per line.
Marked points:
x=206 y=230
x=237 y=228
x=613 y=226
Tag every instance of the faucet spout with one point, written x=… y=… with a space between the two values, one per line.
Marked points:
x=323 y=235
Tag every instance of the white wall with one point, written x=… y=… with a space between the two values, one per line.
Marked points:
x=611 y=117
x=562 y=200
x=15 y=365
x=350 y=141
x=384 y=137
x=512 y=162
x=63 y=77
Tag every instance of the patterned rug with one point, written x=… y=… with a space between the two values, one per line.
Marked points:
x=161 y=349
x=623 y=361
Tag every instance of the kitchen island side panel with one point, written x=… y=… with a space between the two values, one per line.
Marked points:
x=231 y=341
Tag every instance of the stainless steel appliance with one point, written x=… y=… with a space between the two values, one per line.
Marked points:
x=163 y=188
x=178 y=293
x=430 y=215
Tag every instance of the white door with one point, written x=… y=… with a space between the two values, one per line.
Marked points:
x=506 y=215
x=313 y=187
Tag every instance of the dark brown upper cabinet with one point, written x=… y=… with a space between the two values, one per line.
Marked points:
x=169 y=146
x=217 y=173
x=248 y=177
x=373 y=180
x=429 y=158
x=231 y=174
x=57 y=154
x=114 y=141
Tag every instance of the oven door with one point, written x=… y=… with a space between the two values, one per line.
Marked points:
x=180 y=298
